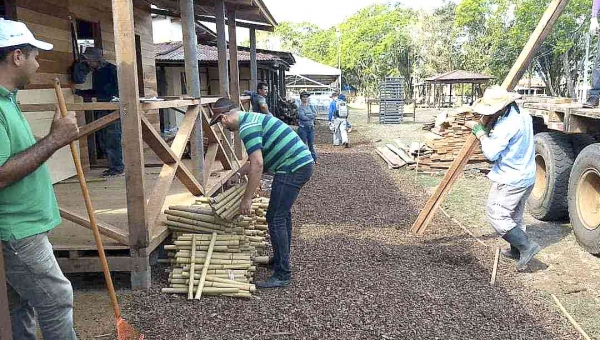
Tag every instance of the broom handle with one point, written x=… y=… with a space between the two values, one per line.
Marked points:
x=88 y=204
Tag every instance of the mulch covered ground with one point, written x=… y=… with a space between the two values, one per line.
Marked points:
x=358 y=274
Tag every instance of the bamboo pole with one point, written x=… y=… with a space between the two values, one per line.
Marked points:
x=192 y=209
x=496 y=258
x=206 y=266
x=570 y=318
x=199 y=217
x=193 y=262
x=197 y=223
x=205 y=291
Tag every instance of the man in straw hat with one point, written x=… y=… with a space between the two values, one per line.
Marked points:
x=272 y=147
x=510 y=145
x=28 y=207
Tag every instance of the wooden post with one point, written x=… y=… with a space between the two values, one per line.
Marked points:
x=5 y=325
x=234 y=81
x=253 y=63
x=222 y=48
x=192 y=75
x=282 y=92
x=552 y=13
x=133 y=152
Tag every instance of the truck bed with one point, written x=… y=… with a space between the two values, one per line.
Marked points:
x=562 y=114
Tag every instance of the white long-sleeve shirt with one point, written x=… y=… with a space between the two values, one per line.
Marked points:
x=511 y=147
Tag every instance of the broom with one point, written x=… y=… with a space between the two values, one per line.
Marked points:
x=124 y=330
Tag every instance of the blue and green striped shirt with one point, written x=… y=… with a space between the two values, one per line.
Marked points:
x=282 y=149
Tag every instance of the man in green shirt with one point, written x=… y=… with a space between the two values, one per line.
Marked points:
x=28 y=207
x=272 y=147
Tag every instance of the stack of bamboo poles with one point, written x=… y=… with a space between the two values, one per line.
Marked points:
x=216 y=248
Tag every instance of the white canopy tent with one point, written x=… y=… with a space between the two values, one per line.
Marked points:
x=309 y=74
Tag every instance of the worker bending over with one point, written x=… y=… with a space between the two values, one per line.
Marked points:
x=272 y=147
x=510 y=145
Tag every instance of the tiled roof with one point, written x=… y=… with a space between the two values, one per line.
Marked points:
x=174 y=51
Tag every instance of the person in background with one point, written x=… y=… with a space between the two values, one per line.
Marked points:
x=307 y=114
x=28 y=207
x=258 y=99
x=338 y=120
x=105 y=88
x=510 y=145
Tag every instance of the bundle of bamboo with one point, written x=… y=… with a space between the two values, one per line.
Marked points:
x=215 y=253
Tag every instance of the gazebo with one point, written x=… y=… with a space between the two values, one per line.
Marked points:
x=437 y=90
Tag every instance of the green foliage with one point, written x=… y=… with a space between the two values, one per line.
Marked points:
x=477 y=35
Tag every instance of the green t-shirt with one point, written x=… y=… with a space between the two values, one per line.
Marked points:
x=27 y=207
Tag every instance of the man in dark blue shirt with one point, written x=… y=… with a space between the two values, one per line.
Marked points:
x=105 y=88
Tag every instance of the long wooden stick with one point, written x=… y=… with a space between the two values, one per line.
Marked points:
x=193 y=266
x=206 y=266
x=495 y=270
x=570 y=318
x=88 y=205
x=540 y=33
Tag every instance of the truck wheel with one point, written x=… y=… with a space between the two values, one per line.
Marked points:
x=584 y=198
x=579 y=141
x=553 y=159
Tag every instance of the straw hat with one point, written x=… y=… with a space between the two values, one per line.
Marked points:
x=494 y=99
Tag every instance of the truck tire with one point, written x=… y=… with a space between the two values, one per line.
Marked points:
x=579 y=141
x=554 y=159
x=584 y=198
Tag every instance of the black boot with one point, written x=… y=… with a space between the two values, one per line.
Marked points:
x=511 y=253
x=527 y=248
x=592 y=102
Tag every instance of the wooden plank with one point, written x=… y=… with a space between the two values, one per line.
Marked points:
x=70 y=107
x=156 y=143
x=222 y=48
x=234 y=77
x=169 y=104
x=5 y=324
x=253 y=63
x=405 y=157
x=92 y=264
x=545 y=25
x=105 y=229
x=211 y=154
x=133 y=153
x=98 y=124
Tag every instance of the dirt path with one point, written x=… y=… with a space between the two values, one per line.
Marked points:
x=359 y=275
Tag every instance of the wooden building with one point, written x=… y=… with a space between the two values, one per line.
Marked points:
x=271 y=67
x=129 y=209
x=437 y=91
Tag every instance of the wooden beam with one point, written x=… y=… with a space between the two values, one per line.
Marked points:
x=234 y=79
x=70 y=107
x=253 y=63
x=98 y=124
x=190 y=44
x=108 y=230
x=222 y=48
x=5 y=324
x=91 y=264
x=211 y=154
x=544 y=27
x=133 y=153
x=207 y=18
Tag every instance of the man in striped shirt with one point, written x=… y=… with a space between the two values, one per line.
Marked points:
x=272 y=147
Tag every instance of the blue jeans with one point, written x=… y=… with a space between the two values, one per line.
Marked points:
x=36 y=283
x=109 y=140
x=307 y=134
x=284 y=192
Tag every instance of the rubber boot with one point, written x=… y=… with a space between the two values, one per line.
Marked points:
x=511 y=253
x=527 y=248
x=592 y=102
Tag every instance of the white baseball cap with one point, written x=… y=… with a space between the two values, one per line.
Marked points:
x=13 y=33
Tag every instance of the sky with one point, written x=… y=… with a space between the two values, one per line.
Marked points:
x=327 y=13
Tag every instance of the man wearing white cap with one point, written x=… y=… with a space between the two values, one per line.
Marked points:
x=510 y=145
x=28 y=207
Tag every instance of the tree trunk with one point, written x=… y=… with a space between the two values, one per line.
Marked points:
x=568 y=77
